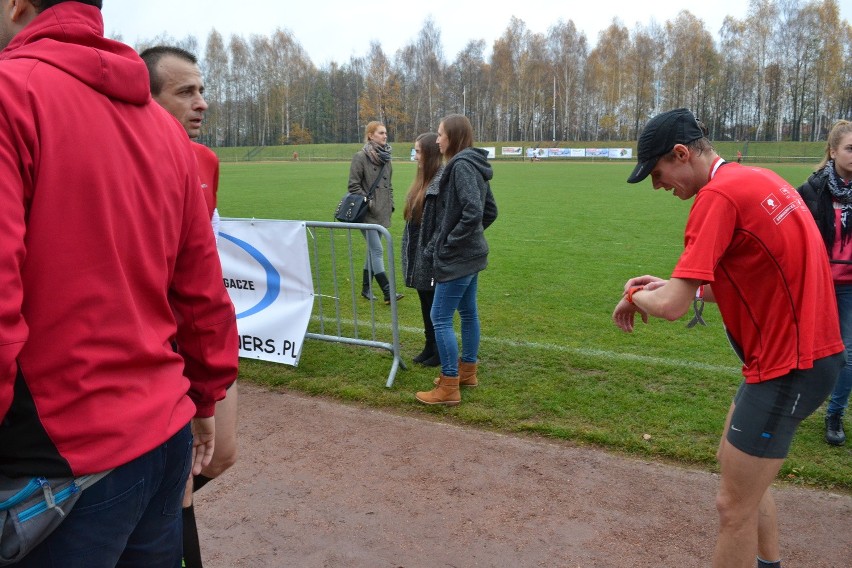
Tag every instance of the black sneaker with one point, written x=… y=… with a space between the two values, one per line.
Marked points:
x=834 y=433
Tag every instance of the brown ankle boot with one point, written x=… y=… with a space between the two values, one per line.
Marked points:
x=467 y=374
x=446 y=393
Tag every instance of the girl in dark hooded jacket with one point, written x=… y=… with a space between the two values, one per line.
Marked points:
x=453 y=230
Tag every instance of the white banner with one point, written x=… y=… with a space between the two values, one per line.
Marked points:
x=512 y=150
x=267 y=272
x=621 y=153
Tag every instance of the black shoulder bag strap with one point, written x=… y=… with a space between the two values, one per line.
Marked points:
x=376 y=182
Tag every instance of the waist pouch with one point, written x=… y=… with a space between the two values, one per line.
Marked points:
x=31 y=509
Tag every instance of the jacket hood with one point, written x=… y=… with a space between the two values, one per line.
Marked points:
x=69 y=37
x=478 y=158
x=434 y=186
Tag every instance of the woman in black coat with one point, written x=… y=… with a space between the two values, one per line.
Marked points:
x=828 y=195
x=415 y=267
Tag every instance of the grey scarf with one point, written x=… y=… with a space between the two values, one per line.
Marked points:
x=377 y=154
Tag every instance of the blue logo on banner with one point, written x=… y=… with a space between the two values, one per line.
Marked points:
x=273 y=279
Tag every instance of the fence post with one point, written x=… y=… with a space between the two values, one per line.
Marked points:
x=321 y=272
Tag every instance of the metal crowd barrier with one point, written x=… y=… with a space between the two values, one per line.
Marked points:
x=342 y=315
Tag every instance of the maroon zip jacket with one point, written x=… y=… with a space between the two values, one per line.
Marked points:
x=107 y=258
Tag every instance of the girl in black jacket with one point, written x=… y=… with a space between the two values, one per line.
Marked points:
x=828 y=195
x=416 y=269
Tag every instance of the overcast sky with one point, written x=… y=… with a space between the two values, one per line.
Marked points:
x=334 y=30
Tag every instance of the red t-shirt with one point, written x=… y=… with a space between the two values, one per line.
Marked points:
x=208 y=172
x=751 y=236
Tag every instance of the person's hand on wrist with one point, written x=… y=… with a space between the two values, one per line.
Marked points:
x=630 y=291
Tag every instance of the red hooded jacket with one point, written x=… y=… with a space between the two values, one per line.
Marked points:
x=107 y=258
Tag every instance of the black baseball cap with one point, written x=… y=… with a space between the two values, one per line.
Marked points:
x=660 y=135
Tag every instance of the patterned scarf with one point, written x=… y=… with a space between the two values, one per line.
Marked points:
x=841 y=192
x=379 y=155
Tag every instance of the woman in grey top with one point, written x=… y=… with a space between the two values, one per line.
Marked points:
x=371 y=162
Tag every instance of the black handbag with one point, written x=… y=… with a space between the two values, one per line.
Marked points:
x=354 y=206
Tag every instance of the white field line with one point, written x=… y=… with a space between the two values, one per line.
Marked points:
x=586 y=352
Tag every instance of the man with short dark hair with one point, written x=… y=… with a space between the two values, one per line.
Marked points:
x=107 y=261
x=176 y=84
x=752 y=247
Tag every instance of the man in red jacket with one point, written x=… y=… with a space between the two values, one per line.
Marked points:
x=176 y=84
x=106 y=260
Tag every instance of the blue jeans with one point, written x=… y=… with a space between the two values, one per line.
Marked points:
x=130 y=518
x=459 y=294
x=839 y=399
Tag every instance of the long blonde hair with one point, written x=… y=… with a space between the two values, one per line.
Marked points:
x=840 y=129
x=427 y=167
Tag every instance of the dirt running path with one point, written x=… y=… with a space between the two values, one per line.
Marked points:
x=321 y=484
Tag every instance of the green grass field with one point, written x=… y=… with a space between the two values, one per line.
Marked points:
x=552 y=363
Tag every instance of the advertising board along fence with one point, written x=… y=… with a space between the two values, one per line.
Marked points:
x=296 y=280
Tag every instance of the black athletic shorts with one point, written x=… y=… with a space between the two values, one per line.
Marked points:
x=767 y=414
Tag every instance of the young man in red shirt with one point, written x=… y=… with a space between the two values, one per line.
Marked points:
x=752 y=247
